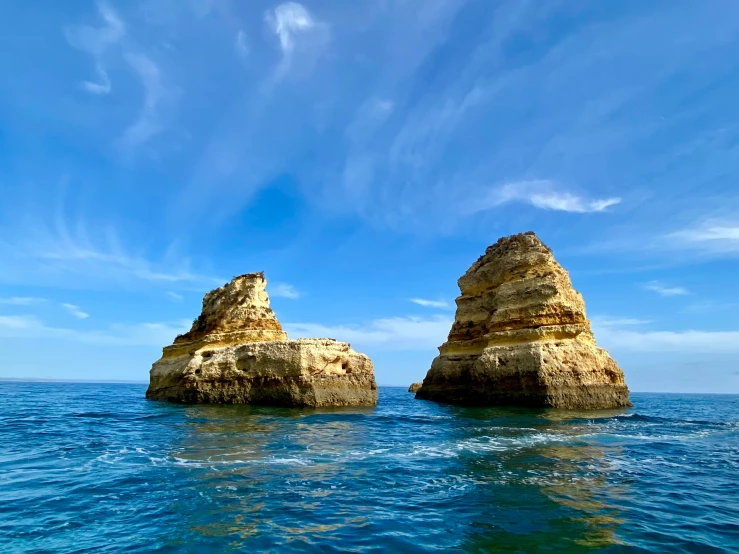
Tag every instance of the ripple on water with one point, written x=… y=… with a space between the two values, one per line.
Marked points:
x=407 y=476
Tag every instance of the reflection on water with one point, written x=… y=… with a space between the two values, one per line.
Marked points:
x=540 y=482
x=249 y=460
x=489 y=478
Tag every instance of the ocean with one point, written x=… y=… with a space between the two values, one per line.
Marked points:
x=97 y=468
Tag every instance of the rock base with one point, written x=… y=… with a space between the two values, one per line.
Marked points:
x=302 y=372
x=569 y=374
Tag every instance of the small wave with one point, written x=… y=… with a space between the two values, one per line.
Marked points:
x=636 y=417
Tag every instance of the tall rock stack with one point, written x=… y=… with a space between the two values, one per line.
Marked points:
x=521 y=337
x=237 y=353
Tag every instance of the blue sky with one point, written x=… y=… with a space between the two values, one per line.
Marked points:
x=364 y=154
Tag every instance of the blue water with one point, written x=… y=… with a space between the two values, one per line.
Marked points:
x=97 y=468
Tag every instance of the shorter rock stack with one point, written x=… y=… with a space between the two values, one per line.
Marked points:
x=237 y=353
x=521 y=337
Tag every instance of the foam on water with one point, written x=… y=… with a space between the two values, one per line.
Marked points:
x=406 y=476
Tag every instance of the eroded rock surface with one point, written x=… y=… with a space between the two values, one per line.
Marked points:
x=521 y=337
x=415 y=386
x=237 y=353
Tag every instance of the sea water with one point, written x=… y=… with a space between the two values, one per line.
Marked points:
x=97 y=468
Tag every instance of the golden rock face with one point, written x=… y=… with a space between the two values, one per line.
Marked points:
x=241 y=306
x=521 y=337
x=237 y=353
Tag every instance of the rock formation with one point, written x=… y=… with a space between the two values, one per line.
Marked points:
x=237 y=353
x=415 y=386
x=521 y=337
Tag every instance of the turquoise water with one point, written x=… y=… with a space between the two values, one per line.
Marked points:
x=97 y=468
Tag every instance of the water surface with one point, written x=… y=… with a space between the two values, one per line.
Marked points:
x=97 y=468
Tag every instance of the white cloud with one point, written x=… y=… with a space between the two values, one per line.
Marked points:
x=384 y=106
x=714 y=233
x=288 y=20
x=711 y=236
x=396 y=333
x=617 y=321
x=102 y=86
x=75 y=311
x=22 y=300
x=284 y=290
x=149 y=122
x=710 y=306
x=139 y=334
x=242 y=46
x=663 y=290
x=62 y=252
x=175 y=297
x=301 y=37
x=430 y=303
x=545 y=195
x=94 y=262
x=112 y=36
x=614 y=336
x=17 y=322
x=95 y=41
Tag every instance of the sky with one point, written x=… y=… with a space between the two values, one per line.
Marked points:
x=363 y=154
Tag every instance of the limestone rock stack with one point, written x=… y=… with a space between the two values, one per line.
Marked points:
x=521 y=337
x=415 y=386
x=237 y=353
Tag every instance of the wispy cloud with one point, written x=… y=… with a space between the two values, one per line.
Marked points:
x=75 y=311
x=242 y=45
x=288 y=20
x=139 y=334
x=625 y=338
x=711 y=236
x=22 y=300
x=284 y=290
x=710 y=233
x=294 y=25
x=617 y=321
x=174 y=297
x=17 y=322
x=102 y=86
x=95 y=41
x=111 y=40
x=396 y=333
x=710 y=306
x=148 y=123
x=663 y=290
x=68 y=252
x=430 y=303
x=545 y=195
x=89 y=260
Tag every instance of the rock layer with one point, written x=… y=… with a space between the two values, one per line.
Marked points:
x=237 y=353
x=521 y=337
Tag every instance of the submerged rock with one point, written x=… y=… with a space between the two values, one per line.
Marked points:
x=237 y=353
x=415 y=386
x=521 y=337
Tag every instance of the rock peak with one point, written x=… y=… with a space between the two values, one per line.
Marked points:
x=521 y=336
x=237 y=353
x=240 y=305
x=519 y=241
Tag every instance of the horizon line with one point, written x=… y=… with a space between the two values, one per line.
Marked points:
x=138 y=382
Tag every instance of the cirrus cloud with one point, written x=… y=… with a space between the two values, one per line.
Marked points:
x=545 y=195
